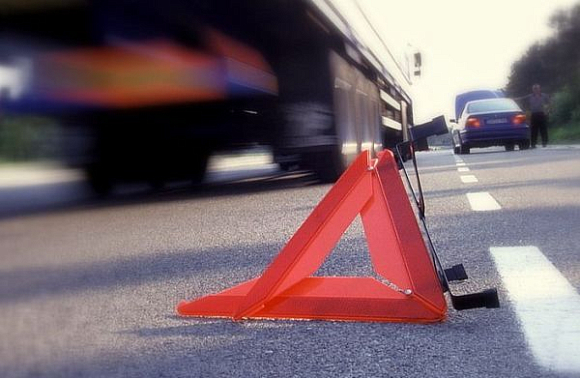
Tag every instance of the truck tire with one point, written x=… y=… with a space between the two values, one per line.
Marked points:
x=199 y=166
x=328 y=165
x=100 y=179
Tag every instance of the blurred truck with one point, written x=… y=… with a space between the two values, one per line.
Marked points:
x=149 y=90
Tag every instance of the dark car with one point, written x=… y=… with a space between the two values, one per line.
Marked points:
x=491 y=122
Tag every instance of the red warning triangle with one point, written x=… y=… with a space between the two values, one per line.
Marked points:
x=408 y=291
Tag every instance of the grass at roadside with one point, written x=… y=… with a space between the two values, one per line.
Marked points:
x=569 y=133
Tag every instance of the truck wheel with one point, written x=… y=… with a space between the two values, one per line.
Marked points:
x=287 y=166
x=157 y=183
x=328 y=165
x=199 y=166
x=99 y=179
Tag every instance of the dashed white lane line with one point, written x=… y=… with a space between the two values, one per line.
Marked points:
x=461 y=164
x=462 y=169
x=546 y=304
x=467 y=179
x=482 y=201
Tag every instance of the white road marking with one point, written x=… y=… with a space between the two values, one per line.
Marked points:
x=462 y=169
x=546 y=304
x=466 y=179
x=460 y=164
x=482 y=201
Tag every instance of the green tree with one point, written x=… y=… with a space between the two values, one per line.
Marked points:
x=553 y=63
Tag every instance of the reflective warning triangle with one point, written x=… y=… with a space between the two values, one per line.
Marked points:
x=407 y=288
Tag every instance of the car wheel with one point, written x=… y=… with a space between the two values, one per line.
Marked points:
x=463 y=149
x=509 y=147
x=525 y=145
x=456 y=150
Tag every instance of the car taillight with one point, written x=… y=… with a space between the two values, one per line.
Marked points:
x=518 y=119
x=473 y=122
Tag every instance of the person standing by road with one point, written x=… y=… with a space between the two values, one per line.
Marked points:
x=538 y=104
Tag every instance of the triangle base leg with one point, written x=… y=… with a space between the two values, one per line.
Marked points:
x=322 y=298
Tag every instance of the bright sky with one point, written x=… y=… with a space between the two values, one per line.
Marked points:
x=464 y=44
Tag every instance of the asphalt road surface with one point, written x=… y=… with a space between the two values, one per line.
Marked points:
x=88 y=288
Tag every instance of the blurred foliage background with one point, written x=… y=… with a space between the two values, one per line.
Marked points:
x=26 y=138
x=555 y=65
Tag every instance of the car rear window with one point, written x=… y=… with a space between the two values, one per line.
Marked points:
x=495 y=105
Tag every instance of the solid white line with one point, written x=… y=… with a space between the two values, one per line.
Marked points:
x=482 y=201
x=546 y=304
x=466 y=179
x=462 y=169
